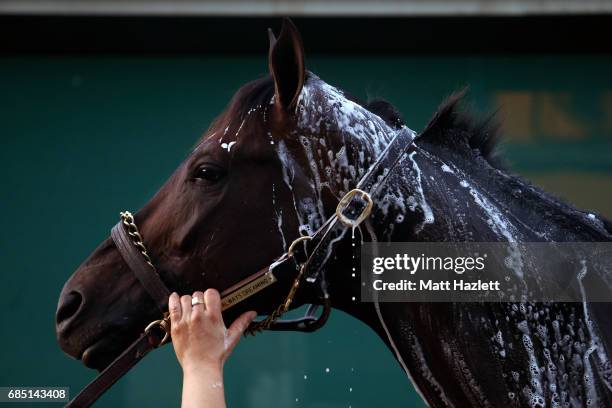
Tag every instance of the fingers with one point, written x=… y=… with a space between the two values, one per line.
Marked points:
x=186 y=309
x=197 y=310
x=177 y=310
x=237 y=328
x=174 y=307
x=213 y=304
x=198 y=332
x=182 y=309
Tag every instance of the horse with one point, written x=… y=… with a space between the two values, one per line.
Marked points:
x=272 y=168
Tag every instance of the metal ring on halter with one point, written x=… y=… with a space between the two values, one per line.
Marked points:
x=344 y=202
x=163 y=325
x=297 y=241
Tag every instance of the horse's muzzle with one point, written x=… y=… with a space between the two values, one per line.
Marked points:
x=95 y=318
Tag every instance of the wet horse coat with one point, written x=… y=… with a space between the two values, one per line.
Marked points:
x=446 y=189
x=278 y=160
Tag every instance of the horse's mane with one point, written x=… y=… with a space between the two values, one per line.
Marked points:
x=450 y=125
x=259 y=92
x=456 y=128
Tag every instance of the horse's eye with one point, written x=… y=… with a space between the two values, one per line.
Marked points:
x=209 y=173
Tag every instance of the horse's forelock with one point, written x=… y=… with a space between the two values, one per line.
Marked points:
x=253 y=97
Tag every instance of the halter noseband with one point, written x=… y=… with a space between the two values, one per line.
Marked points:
x=305 y=258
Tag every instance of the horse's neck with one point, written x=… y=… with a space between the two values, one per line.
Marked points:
x=456 y=198
x=467 y=200
x=442 y=196
x=451 y=198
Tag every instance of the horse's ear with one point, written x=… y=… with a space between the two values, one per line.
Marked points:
x=286 y=63
x=271 y=37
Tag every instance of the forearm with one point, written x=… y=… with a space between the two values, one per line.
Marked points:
x=202 y=344
x=203 y=388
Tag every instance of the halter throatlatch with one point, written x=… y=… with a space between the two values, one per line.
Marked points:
x=304 y=259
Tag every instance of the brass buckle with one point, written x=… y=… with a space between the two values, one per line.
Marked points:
x=344 y=202
x=163 y=325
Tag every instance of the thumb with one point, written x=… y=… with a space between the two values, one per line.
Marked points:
x=237 y=328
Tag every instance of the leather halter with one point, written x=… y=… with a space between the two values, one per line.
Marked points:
x=142 y=268
x=304 y=260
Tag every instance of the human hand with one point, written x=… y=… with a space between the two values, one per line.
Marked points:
x=199 y=336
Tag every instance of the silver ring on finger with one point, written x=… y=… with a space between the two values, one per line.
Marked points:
x=196 y=301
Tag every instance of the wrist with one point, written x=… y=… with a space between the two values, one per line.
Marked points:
x=210 y=369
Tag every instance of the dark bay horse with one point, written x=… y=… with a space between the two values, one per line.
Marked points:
x=273 y=166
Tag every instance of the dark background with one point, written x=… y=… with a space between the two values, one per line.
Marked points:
x=134 y=35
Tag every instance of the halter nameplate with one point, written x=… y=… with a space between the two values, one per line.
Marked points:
x=235 y=295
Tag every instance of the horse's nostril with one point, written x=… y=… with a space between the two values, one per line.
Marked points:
x=68 y=306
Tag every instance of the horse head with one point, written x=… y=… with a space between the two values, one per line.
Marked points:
x=270 y=168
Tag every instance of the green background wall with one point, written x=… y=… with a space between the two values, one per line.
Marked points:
x=83 y=138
